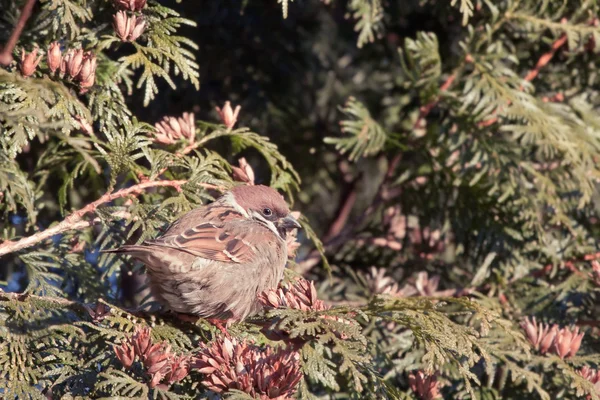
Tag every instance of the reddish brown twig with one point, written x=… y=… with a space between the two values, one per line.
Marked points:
x=343 y=213
x=426 y=109
x=545 y=58
x=6 y=53
x=75 y=220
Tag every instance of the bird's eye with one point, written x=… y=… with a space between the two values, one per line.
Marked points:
x=267 y=212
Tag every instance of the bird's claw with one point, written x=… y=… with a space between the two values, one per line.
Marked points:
x=219 y=325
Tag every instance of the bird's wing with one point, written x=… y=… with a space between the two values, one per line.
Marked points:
x=214 y=212
x=231 y=242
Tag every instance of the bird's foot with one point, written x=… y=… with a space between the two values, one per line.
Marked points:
x=219 y=325
x=187 y=317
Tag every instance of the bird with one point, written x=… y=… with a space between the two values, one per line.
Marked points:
x=215 y=260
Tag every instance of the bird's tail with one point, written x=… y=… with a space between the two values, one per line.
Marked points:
x=133 y=248
x=141 y=253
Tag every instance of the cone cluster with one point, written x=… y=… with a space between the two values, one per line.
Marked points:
x=159 y=362
x=263 y=373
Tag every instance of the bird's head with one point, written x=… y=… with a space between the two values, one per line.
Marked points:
x=266 y=206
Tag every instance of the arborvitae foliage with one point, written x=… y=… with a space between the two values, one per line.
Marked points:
x=449 y=153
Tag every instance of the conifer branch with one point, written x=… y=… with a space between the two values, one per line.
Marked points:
x=467 y=263
x=337 y=233
x=56 y=301
x=6 y=52
x=75 y=220
x=533 y=73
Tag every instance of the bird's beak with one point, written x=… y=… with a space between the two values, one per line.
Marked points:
x=289 y=222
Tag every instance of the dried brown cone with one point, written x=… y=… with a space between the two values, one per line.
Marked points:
x=125 y=353
x=54 y=56
x=156 y=358
x=243 y=173
x=160 y=363
x=567 y=342
x=265 y=374
x=425 y=386
x=141 y=341
x=172 y=129
x=157 y=362
x=228 y=115
x=379 y=283
x=131 y=5
x=29 y=62
x=540 y=336
x=179 y=368
x=563 y=342
x=128 y=27
x=87 y=74
x=74 y=62
x=276 y=374
x=301 y=295
x=222 y=362
x=591 y=375
x=422 y=285
x=428 y=286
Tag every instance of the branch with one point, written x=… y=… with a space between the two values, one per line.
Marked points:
x=58 y=301
x=426 y=109
x=531 y=75
x=6 y=53
x=193 y=146
x=343 y=212
x=75 y=220
x=97 y=311
x=545 y=58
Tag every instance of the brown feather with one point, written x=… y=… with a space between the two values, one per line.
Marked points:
x=217 y=242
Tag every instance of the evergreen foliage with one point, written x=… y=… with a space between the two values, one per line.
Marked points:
x=444 y=155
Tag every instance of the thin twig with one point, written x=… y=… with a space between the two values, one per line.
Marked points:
x=426 y=109
x=6 y=53
x=75 y=220
x=545 y=58
x=343 y=212
x=193 y=146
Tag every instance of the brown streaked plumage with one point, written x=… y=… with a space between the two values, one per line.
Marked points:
x=216 y=259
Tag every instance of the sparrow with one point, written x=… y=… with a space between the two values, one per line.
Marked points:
x=215 y=260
